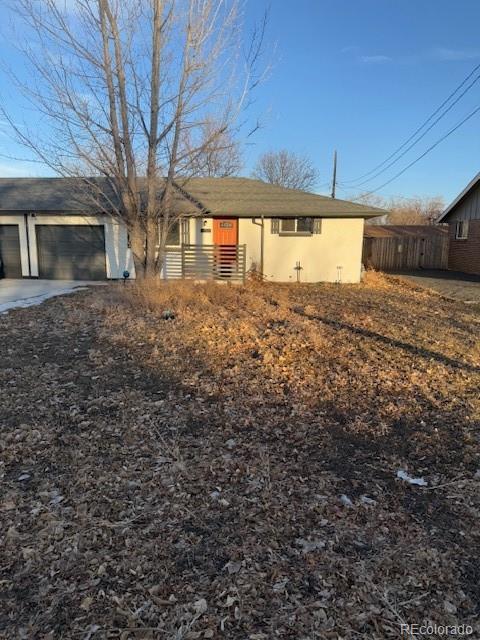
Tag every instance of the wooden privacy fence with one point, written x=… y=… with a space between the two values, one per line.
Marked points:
x=406 y=253
x=206 y=262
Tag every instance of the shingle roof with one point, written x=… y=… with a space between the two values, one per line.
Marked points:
x=241 y=197
x=404 y=231
x=245 y=197
x=46 y=194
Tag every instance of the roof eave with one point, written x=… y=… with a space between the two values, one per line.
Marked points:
x=292 y=214
x=459 y=198
x=51 y=212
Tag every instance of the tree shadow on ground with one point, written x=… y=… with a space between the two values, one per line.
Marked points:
x=392 y=342
x=326 y=442
x=144 y=459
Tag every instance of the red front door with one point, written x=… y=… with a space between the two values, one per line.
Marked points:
x=225 y=238
x=225 y=231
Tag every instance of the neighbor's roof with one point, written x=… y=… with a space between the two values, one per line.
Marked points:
x=471 y=185
x=404 y=231
x=48 y=194
x=241 y=197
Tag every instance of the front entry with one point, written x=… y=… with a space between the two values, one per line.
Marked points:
x=225 y=231
x=225 y=240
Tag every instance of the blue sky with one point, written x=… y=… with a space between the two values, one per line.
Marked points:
x=359 y=76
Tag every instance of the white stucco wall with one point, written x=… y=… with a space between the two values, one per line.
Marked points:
x=22 y=234
x=203 y=233
x=335 y=253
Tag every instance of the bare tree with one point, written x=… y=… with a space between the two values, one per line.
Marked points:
x=286 y=169
x=417 y=210
x=405 y=211
x=221 y=156
x=131 y=95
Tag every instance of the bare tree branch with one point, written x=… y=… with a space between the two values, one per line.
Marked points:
x=286 y=169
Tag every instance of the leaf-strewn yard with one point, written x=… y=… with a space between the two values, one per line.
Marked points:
x=232 y=473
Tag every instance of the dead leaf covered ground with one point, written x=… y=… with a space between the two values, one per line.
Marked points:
x=232 y=473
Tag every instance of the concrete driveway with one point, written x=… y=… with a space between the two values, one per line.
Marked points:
x=452 y=284
x=25 y=293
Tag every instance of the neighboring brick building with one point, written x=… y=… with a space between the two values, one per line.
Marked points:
x=463 y=218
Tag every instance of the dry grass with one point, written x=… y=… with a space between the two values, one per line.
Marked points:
x=201 y=462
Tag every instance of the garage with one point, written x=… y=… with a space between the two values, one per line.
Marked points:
x=71 y=252
x=10 y=262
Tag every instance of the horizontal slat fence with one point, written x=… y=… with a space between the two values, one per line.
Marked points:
x=172 y=268
x=406 y=253
x=206 y=262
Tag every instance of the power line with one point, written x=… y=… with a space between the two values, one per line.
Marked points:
x=415 y=142
x=417 y=131
x=427 y=151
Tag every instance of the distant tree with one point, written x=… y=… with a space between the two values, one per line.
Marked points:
x=373 y=200
x=416 y=210
x=286 y=169
x=405 y=211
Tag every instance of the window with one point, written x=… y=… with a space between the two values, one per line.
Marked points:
x=173 y=235
x=288 y=225
x=296 y=225
x=304 y=225
x=461 y=230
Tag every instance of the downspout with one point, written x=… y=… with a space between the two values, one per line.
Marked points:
x=262 y=241
x=27 y=233
x=262 y=245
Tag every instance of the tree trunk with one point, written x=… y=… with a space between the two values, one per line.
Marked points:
x=161 y=253
x=137 y=244
x=151 y=249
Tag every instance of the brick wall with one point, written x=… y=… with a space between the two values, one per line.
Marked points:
x=464 y=255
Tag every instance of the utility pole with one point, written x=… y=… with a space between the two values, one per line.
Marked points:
x=334 y=179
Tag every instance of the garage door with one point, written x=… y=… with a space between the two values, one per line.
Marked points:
x=71 y=252
x=10 y=263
